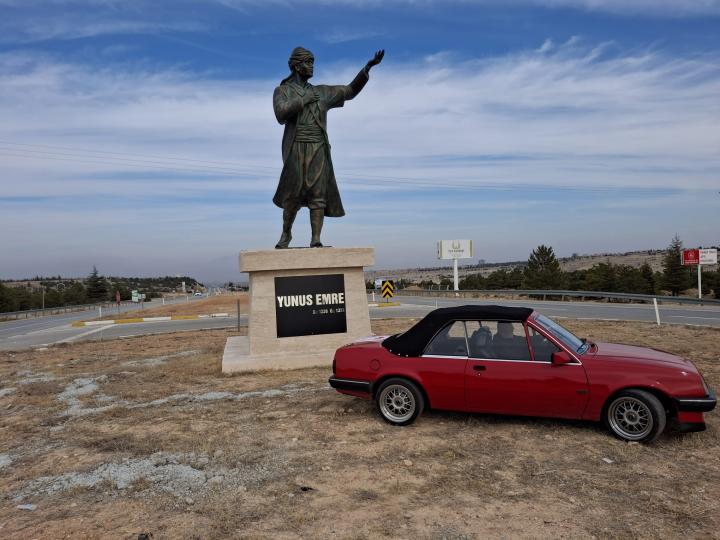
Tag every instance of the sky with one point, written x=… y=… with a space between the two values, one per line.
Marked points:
x=138 y=136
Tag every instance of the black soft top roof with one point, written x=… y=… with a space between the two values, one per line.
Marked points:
x=413 y=341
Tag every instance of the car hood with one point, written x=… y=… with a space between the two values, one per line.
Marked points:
x=644 y=354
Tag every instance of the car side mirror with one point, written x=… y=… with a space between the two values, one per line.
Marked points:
x=560 y=358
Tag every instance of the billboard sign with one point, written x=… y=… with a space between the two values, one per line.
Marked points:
x=455 y=249
x=699 y=256
x=310 y=305
x=708 y=256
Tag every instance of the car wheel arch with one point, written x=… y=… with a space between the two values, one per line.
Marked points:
x=664 y=398
x=378 y=383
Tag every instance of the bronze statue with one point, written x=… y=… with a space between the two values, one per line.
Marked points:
x=307 y=177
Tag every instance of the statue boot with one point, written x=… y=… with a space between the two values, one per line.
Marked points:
x=316 y=223
x=288 y=219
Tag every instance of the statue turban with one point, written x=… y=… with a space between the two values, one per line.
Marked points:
x=298 y=56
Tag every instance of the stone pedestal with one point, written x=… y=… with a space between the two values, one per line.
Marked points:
x=262 y=348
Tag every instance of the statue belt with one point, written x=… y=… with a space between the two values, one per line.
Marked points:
x=309 y=133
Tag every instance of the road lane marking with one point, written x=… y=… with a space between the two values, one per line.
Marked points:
x=79 y=336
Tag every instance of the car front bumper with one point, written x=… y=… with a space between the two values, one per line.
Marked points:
x=704 y=404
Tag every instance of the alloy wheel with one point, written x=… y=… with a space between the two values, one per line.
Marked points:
x=630 y=418
x=397 y=403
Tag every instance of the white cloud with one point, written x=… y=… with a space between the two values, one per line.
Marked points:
x=641 y=7
x=343 y=35
x=63 y=28
x=530 y=122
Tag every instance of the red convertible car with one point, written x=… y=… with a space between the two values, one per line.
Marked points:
x=515 y=361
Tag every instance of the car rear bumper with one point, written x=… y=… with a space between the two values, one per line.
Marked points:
x=697 y=404
x=352 y=385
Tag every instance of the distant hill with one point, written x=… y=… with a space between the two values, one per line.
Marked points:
x=635 y=259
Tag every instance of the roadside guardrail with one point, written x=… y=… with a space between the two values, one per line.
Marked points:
x=559 y=295
x=28 y=313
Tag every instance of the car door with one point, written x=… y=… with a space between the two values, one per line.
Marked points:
x=503 y=376
x=441 y=368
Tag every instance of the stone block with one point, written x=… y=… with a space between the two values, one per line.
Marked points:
x=262 y=348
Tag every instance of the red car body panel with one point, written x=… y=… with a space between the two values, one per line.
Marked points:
x=578 y=389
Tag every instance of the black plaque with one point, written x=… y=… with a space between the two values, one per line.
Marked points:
x=310 y=305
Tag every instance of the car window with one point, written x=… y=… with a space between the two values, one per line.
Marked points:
x=450 y=341
x=542 y=346
x=501 y=340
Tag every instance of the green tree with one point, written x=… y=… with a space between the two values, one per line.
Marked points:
x=514 y=279
x=630 y=280
x=502 y=279
x=543 y=270
x=7 y=299
x=472 y=282
x=75 y=294
x=446 y=284
x=577 y=280
x=711 y=283
x=427 y=284
x=649 y=278
x=676 y=277
x=601 y=277
x=97 y=290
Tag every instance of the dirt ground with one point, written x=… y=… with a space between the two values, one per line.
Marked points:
x=144 y=435
x=225 y=303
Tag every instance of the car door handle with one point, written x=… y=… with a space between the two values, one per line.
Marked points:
x=478 y=367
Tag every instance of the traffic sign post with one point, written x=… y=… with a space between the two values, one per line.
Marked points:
x=699 y=257
x=387 y=289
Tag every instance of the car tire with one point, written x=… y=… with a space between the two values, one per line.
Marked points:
x=399 y=401
x=636 y=416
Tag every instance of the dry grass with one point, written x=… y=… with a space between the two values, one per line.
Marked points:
x=468 y=476
x=225 y=303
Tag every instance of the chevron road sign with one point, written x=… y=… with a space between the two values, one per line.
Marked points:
x=388 y=288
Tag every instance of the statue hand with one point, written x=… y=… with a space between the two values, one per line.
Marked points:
x=376 y=59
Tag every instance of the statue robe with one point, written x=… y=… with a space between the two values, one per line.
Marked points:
x=307 y=177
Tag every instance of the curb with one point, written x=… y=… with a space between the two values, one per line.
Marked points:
x=384 y=304
x=133 y=320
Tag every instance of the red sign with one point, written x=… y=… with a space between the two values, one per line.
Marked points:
x=691 y=256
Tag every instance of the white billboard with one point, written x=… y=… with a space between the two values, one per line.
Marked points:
x=455 y=249
x=708 y=256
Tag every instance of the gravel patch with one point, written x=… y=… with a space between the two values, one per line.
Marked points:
x=29 y=377
x=87 y=386
x=158 y=360
x=5 y=460
x=84 y=386
x=178 y=475
x=286 y=390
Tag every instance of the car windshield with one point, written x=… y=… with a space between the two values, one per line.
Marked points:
x=570 y=340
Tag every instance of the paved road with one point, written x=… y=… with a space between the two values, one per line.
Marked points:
x=414 y=306
x=32 y=333
x=50 y=329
